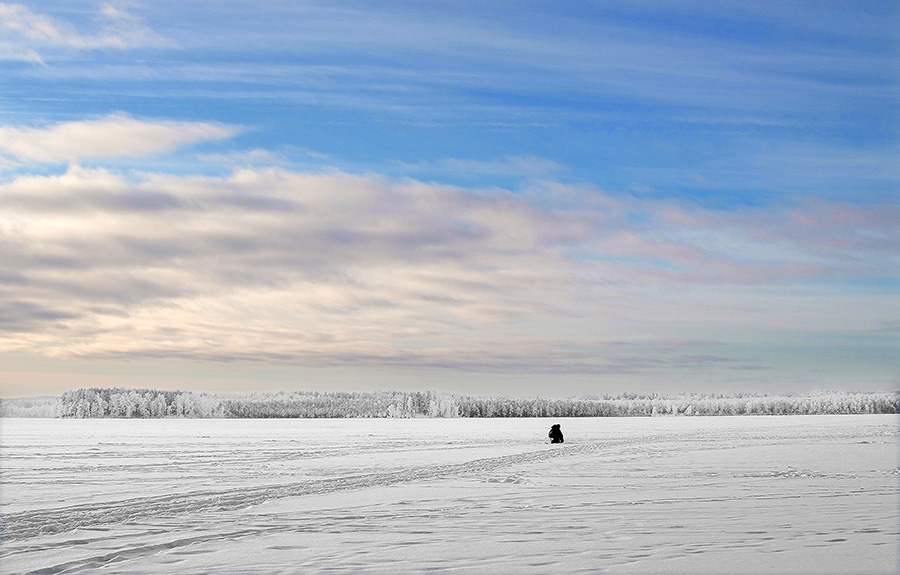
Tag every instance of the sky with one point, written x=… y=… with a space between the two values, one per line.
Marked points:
x=491 y=198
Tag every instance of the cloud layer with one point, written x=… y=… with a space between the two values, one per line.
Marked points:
x=339 y=269
x=662 y=192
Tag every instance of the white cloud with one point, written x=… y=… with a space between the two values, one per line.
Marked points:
x=39 y=27
x=337 y=269
x=116 y=135
x=124 y=30
x=20 y=54
x=265 y=262
x=24 y=32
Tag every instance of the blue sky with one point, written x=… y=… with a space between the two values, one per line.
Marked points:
x=539 y=198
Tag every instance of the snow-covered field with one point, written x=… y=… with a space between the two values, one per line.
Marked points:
x=804 y=494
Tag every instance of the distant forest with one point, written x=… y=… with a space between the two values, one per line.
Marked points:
x=150 y=403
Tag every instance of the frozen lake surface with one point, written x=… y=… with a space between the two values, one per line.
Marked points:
x=792 y=494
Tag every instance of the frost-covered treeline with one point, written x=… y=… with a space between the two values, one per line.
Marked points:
x=148 y=403
x=340 y=404
x=43 y=406
x=631 y=405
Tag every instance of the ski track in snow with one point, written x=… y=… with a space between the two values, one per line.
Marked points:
x=122 y=534
x=57 y=520
x=195 y=504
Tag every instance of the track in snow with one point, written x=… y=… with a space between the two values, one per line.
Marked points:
x=59 y=520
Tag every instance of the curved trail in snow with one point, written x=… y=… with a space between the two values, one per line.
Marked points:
x=59 y=520
x=724 y=488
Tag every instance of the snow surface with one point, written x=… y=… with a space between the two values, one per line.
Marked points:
x=792 y=494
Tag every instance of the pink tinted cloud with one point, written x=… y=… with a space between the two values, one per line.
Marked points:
x=812 y=238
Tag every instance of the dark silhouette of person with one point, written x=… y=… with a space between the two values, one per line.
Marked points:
x=555 y=434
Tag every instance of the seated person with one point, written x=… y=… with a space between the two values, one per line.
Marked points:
x=555 y=434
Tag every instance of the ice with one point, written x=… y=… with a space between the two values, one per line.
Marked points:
x=792 y=494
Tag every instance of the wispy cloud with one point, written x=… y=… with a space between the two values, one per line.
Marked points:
x=23 y=32
x=413 y=61
x=266 y=158
x=509 y=165
x=116 y=135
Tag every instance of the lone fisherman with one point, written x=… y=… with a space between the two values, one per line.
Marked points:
x=555 y=434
